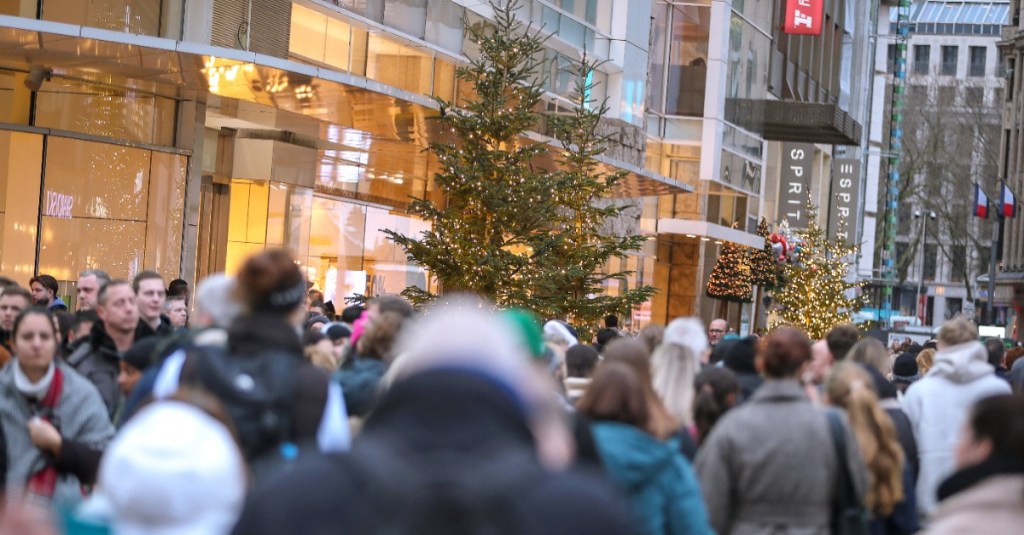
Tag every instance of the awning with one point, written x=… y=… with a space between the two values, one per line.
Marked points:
x=367 y=110
x=790 y=120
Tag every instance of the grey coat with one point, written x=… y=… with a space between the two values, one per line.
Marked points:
x=769 y=466
x=80 y=415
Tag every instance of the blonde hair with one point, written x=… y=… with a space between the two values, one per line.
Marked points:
x=850 y=388
x=925 y=359
x=675 y=369
x=957 y=331
x=873 y=353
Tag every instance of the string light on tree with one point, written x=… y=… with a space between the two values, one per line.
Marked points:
x=730 y=280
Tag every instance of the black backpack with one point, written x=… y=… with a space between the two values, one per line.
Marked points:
x=257 y=391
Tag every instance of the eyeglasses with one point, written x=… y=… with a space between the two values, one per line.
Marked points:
x=715 y=331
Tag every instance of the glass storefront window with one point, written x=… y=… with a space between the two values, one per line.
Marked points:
x=111 y=207
x=159 y=18
x=319 y=38
x=688 y=60
x=108 y=112
x=21 y=164
x=398 y=65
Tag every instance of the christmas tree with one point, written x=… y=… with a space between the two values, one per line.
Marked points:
x=510 y=231
x=763 y=268
x=817 y=294
x=731 y=278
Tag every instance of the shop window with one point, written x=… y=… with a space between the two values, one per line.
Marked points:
x=247 y=221
x=21 y=163
x=398 y=65
x=319 y=38
x=160 y=18
x=110 y=207
x=688 y=55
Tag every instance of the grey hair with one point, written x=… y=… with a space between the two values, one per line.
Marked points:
x=675 y=368
x=215 y=297
x=102 y=276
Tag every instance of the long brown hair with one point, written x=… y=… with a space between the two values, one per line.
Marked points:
x=616 y=394
x=633 y=353
x=849 y=387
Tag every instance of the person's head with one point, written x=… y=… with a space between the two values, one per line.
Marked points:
x=739 y=355
x=821 y=362
x=718 y=390
x=849 y=387
x=34 y=341
x=116 y=307
x=12 y=302
x=783 y=354
x=217 y=304
x=905 y=371
x=634 y=354
x=316 y=308
x=351 y=313
x=716 y=330
x=925 y=359
x=841 y=339
x=150 y=294
x=64 y=321
x=391 y=303
x=44 y=289
x=315 y=296
x=82 y=326
x=580 y=360
x=140 y=356
x=176 y=310
x=1012 y=355
x=675 y=365
x=173 y=468
x=994 y=430
x=652 y=336
x=616 y=394
x=957 y=331
x=88 y=288
x=5 y=283
x=871 y=352
x=179 y=287
x=611 y=322
x=996 y=352
x=271 y=283
x=378 y=341
x=606 y=335
x=338 y=335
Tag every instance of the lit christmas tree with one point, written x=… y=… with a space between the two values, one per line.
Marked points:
x=730 y=280
x=508 y=230
x=763 y=268
x=816 y=296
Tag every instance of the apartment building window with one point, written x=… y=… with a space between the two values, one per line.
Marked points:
x=931 y=252
x=918 y=93
x=949 y=55
x=890 y=62
x=974 y=97
x=977 y=65
x=922 y=56
x=947 y=95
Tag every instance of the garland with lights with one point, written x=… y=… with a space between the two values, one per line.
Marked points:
x=510 y=230
x=817 y=293
x=730 y=280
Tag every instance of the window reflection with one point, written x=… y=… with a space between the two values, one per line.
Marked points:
x=103 y=111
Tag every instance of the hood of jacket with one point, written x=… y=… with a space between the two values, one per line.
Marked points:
x=633 y=457
x=962 y=363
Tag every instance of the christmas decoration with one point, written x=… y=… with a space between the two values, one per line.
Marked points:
x=731 y=278
x=763 y=270
x=510 y=230
x=818 y=294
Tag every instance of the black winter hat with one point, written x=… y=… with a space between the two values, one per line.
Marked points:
x=904 y=369
x=336 y=331
x=738 y=355
x=142 y=354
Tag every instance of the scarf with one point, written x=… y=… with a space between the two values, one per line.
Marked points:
x=44 y=482
x=33 y=391
x=972 y=475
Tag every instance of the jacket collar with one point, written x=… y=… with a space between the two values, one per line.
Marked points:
x=972 y=476
x=779 y=390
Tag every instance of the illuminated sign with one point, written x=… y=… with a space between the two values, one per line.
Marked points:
x=803 y=17
x=58 y=205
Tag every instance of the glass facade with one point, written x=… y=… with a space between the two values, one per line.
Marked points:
x=157 y=18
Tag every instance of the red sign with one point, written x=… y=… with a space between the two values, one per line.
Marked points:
x=803 y=17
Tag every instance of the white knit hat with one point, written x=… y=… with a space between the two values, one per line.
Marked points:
x=173 y=470
x=689 y=333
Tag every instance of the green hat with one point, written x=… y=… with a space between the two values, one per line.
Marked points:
x=526 y=327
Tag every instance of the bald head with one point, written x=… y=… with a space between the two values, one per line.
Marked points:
x=716 y=330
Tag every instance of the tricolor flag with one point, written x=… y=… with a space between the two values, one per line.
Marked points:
x=980 y=202
x=1008 y=202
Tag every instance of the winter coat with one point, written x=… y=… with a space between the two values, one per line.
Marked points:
x=99 y=362
x=937 y=406
x=56 y=305
x=163 y=330
x=990 y=504
x=769 y=465
x=81 y=418
x=658 y=480
x=360 y=382
x=1017 y=376
x=439 y=421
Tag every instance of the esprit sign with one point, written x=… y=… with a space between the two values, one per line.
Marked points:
x=845 y=197
x=795 y=182
x=58 y=205
x=803 y=17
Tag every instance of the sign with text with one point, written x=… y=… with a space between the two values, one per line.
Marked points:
x=794 y=183
x=58 y=205
x=804 y=17
x=842 y=209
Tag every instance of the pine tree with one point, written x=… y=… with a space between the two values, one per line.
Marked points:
x=509 y=231
x=763 y=268
x=730 y=280
x=816 y=295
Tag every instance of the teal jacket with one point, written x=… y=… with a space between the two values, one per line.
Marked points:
x=659 y=482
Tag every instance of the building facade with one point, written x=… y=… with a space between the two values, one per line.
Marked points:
x=951 y=134
x=1010 y=279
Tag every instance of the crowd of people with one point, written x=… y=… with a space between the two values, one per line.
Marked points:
x=252 y=406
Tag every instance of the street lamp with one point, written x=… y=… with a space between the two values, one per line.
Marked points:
x=918 y=214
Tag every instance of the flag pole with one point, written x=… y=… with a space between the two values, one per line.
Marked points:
x=996 y=224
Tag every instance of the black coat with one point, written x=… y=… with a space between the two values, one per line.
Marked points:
x=443 y=422
x=99 y=362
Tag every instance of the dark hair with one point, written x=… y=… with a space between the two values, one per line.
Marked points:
x=101 y=297
x=930 y=344
x=351 y=313
x=84 y=316
x=177 y=287
x=18 y=291
x=312 y=338
x=33 y=311
x=580 y=360
x=713 y=387
x=606 y=335
x=611 y=322
x=271 y=282
x=6 y=282
x=1001 y=420
x=65 y=320
x=146 y=275
x=841 y=339
x=46 y=281
x=616 y=394
x=996 y=351
x=783 y=352
x=394 y=303
x=318 y=304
